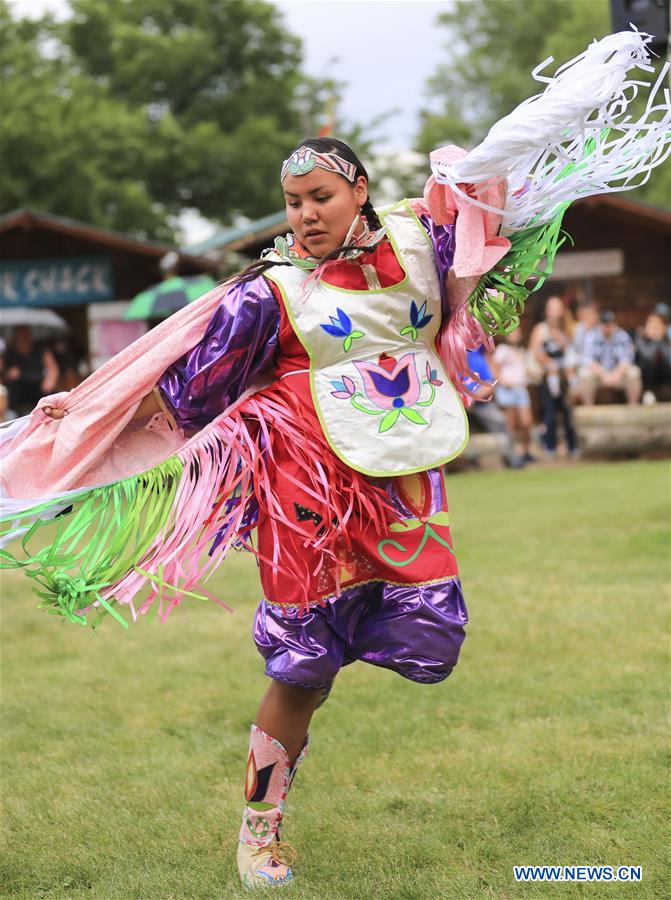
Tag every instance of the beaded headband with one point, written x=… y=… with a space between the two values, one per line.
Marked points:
x=305 y=159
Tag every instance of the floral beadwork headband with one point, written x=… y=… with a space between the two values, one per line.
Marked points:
x=305 y=159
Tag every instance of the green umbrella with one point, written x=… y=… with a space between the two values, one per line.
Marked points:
x=164 y=298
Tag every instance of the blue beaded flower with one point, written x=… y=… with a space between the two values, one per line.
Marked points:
x=418 y=319
x=342 y=327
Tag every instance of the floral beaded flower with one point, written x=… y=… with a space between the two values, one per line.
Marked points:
x=392 y=384
x=432 y=376
x=418 y=319
x=343 y=389
x=393 y=388
x=342 y=327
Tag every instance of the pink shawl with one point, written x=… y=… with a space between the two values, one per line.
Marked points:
x=92 y=444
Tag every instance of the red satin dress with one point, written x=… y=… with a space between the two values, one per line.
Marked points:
x=371 y=548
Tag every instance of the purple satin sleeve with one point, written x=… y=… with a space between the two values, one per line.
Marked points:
x=442 y=238
x=239 y=345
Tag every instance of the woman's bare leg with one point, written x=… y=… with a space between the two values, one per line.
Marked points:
x=275 y=744
x=525 y=427
x=511 y=421
x=285 y=712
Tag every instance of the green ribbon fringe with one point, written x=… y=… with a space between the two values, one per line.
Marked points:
x=498 y=300
x=103 y=534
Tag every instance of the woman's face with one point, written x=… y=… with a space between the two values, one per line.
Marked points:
x=321 y=207
x=554 y=311
x=655 y=328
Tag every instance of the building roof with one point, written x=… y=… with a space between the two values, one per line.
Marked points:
x=636 y=208
x=27 y=218
x=232 y=239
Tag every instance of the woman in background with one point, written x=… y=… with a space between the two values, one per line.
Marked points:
x=549 y=344
x=509 y=365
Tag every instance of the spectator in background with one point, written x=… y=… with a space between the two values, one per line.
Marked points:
x=485 y=412
x=549 y=346
x=6 y=414
x=30 y=372
x=509 y=364
x=653 y=355
x=663 y=310
x=68 y=356
x=608 y=361
x=587 y=320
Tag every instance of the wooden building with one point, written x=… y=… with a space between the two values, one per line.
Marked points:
x=233 y=248
x=84 y=273
x=620 y=258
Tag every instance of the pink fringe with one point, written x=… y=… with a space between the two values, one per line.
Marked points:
x=233 y=457
x=462 y=332
x=318 y=275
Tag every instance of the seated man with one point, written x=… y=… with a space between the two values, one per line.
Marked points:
x=663 y=310
x=608 y=361
x=587 y=315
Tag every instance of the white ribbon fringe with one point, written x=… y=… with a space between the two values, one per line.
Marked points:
x=567 y=124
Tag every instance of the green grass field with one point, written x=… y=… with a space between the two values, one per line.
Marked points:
x=124 y=752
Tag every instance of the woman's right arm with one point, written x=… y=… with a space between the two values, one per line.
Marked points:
x=149 y=406
x=238 y=346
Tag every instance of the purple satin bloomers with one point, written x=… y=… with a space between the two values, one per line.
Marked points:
x=415 y=630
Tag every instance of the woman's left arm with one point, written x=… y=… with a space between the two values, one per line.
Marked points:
x=442 y=241
x=238 y=347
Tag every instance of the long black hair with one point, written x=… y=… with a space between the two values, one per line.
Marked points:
x=340 y=148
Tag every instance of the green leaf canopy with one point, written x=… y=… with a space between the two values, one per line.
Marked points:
x=130 y=111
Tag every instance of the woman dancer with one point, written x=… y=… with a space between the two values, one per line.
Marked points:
x=368 y=327
x=317 y=400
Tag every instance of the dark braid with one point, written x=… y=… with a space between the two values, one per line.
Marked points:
x=371 y=216
x=334 y=254
x=322 y=145
x=258 y=267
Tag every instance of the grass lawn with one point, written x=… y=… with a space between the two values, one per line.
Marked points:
x=124 y=752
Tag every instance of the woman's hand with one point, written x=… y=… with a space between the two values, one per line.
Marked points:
x=154 y=403
x=149 y=406
x=54 y=412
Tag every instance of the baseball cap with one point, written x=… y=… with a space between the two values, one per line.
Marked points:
x=663 y=310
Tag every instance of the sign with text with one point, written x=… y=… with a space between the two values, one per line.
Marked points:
x=56 y=282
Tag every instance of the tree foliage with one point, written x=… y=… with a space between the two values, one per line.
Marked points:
x=130 y=111
x=493 y=47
